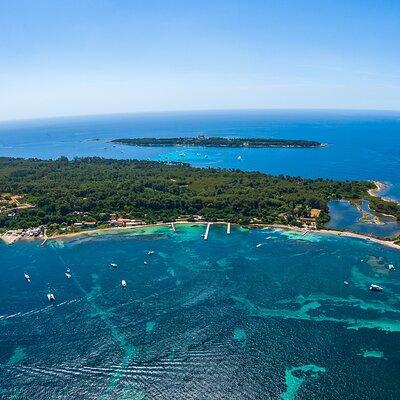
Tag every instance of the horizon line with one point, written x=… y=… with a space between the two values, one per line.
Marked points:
x=196 y=110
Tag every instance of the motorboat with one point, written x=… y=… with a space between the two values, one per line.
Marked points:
x=145 y=263
x=123 y=283
x=68 y=273
x=259 y=245
x=391 y=267
x=151 y=252
x=346 y=283
x=376 y=288
x=27 y=277
x=114 y=265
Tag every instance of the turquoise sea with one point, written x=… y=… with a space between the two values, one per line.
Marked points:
x=211 y=319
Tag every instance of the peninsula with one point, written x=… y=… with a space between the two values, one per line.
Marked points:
x=66 y=196
x=203 y=141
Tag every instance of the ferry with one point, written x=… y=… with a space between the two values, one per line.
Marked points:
x=114 y=265
x=391 y=267
x=51 y=297
x=123 y=283
x=27 y=277
x=376 y=288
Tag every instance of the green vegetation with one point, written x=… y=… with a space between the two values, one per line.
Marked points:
x=385 y=207
x=203 y=141
x=91 y=189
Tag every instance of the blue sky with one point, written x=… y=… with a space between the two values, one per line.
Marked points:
x=91 y=57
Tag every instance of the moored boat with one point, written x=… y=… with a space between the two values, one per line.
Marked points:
x=376 y=288
x=27 y=277
x=51 y=297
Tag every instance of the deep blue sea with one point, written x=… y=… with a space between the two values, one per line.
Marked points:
x=258 y=314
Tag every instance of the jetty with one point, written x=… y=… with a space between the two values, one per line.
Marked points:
x=228 y=229
x=173 y=227
x=207 y=230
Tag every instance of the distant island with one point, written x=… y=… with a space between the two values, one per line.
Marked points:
x=203 y=141
x=64 y=196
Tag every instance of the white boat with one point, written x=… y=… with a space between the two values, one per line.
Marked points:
x=239 y=158
x=259 y=245
x=114 y=265
x=151 y=252
x=68 y=274
x=145 y=262
x=27 y=277
x=391 y=267
x=346 y=283
x=182 y=155
x=268 y=237
x=123 y=283
x=51 y=296
x=376 y=288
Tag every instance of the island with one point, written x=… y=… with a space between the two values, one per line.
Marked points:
x=203 y=141
x=63 y=196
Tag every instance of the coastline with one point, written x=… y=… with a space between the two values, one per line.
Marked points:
x=102 y=231
x=380 y=187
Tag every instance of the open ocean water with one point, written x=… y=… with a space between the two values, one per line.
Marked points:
x=216 y=319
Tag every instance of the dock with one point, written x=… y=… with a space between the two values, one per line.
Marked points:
x=228 y=229
x=173 y=227
x=207 y=231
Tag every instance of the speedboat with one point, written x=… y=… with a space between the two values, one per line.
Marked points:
x=68 y=273
x=259 y=245
x=376 y=288
x=27 y=277
x=346 y=283
x=114 y=265
x=51 y=297
x=145 y=262
x=391 y=267
x=151 y=252
x=123 y=283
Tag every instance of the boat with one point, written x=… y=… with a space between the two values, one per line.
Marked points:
x=151 y=252
x=145 y=262
x=376 y=288
x=268 y=237
x=182 y=155
x=259 y=245
x=114 y=265
x=391 y=267
x=123 y=283
x=27 y=277
x=51 y=297
x=346 y=283
x=239 y=158
x=68 y=273
x=304 y=233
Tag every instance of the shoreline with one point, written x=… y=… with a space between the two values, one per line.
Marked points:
x=381 y=186
x=94 y=232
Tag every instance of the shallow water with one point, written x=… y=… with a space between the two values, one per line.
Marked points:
x=203 y=319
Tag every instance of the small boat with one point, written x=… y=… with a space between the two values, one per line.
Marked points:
x=376 y=288
x=27 y=277
x=114 y=265
x=391 y=267
x=346 y=283
x=259 y=245
x=182 y=155
x=145 y=262
x=123 y=283
x=151 y=252
x=239 y=158
x=268 y=237
x=68 y=273
x=51 y=297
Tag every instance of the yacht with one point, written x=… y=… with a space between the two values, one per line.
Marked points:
x=123 y=283
x=27 y=277
x=376 y=288
x=51 y=297
x=114 y=265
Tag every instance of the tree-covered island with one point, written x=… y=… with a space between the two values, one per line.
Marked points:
x=67 y=194
x=203 y=141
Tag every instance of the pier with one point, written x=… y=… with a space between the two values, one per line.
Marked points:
x=173 y=227
x=207 y=231
x=228 y=229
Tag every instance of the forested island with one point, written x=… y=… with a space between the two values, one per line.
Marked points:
x=203 y=141
x=64 y=193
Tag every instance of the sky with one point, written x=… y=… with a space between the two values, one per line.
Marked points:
x=81 y=57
